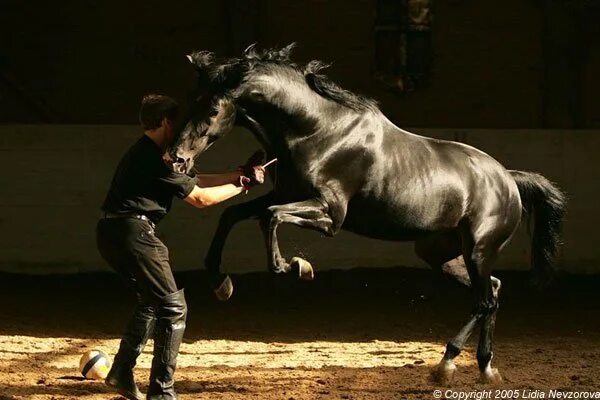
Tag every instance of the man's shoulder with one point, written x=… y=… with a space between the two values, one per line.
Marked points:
x=142 y=143
x=143 y=148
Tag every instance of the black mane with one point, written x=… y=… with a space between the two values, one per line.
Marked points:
x=226 y=74
x=330 y=90
x=319 y=83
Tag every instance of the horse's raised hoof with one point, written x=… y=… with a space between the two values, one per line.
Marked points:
x=305 y=270
x=443 y=373
x=225 y=289
x=491 y=375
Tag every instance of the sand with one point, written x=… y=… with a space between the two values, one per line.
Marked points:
x=323 y=342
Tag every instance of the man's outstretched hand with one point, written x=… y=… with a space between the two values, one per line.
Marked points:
x=253 y=173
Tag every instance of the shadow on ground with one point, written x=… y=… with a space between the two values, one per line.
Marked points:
x=359 y=334
x=361 y=304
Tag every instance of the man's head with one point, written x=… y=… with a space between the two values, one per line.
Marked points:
x=158 y=111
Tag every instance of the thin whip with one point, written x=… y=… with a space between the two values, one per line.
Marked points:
x=270 y=162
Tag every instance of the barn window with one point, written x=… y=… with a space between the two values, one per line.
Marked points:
x=402 y=58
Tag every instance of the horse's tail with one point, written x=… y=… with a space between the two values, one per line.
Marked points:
x=546 y=204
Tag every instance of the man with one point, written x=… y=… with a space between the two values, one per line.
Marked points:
x=139 y=197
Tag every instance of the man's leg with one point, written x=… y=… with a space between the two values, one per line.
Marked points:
x=134 y=339
x=171 y=313
x=140 y=327
x=155 y=278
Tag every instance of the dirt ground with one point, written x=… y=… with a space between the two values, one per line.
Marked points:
x=348 y=335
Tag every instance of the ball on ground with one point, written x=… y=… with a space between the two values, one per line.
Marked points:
x=94 y=365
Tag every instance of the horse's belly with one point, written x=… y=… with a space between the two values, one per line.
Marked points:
x=381 y=232
x=378 y=220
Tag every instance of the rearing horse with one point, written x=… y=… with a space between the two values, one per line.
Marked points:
x=343 y=165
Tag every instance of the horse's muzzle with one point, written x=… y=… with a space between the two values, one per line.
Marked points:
x=176 y=163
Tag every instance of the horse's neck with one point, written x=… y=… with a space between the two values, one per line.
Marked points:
x=258 y=132
x=390 y=128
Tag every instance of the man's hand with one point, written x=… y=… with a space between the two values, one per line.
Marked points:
x=257 y=177
x=252 y=171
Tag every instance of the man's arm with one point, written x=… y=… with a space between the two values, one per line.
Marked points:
x=207 y=196
x=208 y=180
x=235 y=184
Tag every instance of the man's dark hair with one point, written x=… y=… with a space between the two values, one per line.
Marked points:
x=155 y=108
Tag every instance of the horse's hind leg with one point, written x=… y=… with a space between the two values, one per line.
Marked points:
x=479 y=254
x=443 y=252
x=484 y=350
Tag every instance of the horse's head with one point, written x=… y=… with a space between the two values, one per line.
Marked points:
x=200 y=131
x=211 y=114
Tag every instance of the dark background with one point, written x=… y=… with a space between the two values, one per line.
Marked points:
x=509 y=64
x=517 y=79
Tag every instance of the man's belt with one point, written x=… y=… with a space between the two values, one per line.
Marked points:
x=111 y=215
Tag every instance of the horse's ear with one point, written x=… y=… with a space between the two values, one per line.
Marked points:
x=202 y=60
x=250 y=51
x=286 y=52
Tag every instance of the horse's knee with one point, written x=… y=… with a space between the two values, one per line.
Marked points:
x=275 y=220
x=272 y=216
x=272 y=210
x=327 y=226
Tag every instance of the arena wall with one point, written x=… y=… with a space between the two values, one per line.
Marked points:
x=91 y=62
x=55 y=178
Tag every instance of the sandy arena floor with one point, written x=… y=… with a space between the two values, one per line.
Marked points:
x=351 y=335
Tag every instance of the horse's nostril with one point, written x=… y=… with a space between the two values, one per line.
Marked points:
x=180 y=160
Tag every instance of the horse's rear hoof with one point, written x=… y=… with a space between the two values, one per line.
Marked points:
x=225 y=289
x=492 y=376
x=443 y=373
x=305 y=270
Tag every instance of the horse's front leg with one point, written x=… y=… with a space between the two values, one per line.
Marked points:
x=220 y=283
x=312 y=214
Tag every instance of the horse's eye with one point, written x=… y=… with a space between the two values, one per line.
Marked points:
x=213 y=113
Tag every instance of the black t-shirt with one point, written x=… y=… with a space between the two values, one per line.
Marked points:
x=143 y=184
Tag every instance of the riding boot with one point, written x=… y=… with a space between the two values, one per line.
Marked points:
x=136 y=335
x=168 y=334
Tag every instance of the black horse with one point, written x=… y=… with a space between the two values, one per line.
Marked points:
x=343 y=165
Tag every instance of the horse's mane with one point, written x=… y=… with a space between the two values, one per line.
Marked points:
x=318 y=82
